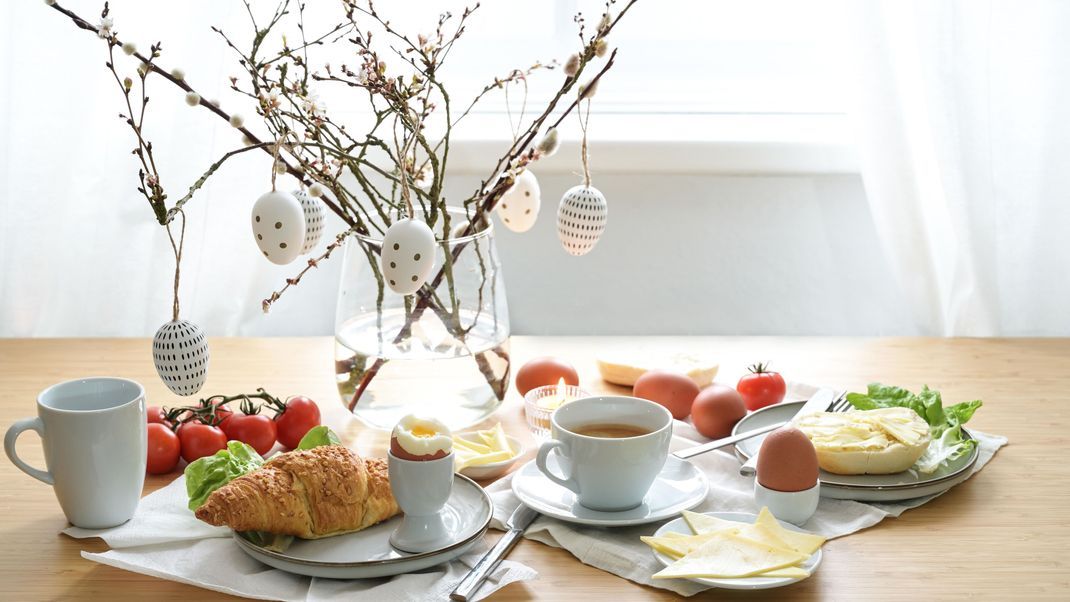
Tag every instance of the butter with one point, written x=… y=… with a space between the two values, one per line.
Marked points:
x=494 y=448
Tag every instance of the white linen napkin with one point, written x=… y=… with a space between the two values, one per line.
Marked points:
x=619 y=551
x=165 y=540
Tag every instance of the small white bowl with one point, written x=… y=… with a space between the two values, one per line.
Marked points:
x=494 y=469
x=795 y=507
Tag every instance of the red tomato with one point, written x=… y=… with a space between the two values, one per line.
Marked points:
x=300 y=416
x=199 y=440
x=761 y=387
x=155 y=414
x=164 y=449
x=256 y=430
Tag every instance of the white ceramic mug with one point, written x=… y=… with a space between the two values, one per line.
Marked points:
x=96 y=438
x=607 y=474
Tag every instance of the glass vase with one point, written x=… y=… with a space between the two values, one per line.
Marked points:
x=442 y=352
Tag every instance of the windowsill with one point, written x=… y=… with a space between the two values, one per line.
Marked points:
x=702 y=143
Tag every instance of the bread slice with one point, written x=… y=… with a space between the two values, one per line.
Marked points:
x=624 y=367
x=881 y=441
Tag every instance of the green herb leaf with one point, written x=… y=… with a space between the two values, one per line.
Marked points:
x=205 y=475
x=317 y=436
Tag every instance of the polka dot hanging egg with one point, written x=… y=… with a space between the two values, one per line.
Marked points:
x=314 y=218
x=180 y=352
x=581 y=219
x=279 y=226
x=408 y=255
x=519 y=206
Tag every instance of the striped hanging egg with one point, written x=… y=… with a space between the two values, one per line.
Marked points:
x=581 y=219
x=180 y=352
x=314 y=218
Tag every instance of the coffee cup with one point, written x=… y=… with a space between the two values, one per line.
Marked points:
x=94 y=435
x=609 y=448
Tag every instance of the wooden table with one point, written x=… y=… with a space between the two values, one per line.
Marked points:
x=1004 y=534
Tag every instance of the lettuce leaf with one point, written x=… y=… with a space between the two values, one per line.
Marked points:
x=317 y=436
x=205 y=475
x=945 y=424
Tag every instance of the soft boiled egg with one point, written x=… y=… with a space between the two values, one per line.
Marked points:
x=420 y=439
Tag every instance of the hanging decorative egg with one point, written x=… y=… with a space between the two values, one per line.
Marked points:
x=519 y=206
x=581 y=219
x=180 y=352
x=279 y=226
x=314 y=217
x=408 y=255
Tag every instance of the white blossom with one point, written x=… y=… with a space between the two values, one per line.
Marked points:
x=104 y=27
x=178 y=74
x=549 y=143
x=237 y=120
x=193 y=99
x=50 y=2
x=129 y=48
x=312 y=105
x=572 y=65
x=280 y=168
x=315 y=190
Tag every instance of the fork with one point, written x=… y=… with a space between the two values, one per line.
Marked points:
x=840 y=404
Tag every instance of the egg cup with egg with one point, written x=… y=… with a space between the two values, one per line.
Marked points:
x=420 y=462
x=786 y=480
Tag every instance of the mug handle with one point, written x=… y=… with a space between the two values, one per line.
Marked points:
x=568 y=482
x=9 y=447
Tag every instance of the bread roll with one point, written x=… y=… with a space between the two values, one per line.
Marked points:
x=881 y=441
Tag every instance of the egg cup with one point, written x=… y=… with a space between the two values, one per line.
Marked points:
x=795 y=507
x=421 y=488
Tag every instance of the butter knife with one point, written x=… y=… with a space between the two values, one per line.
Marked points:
x=517 y=523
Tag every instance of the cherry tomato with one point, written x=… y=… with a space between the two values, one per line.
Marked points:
x=301 y=414
x=155 y=414
x=164 y=449
x=761 y=387
x=199 y=440
x=256 y=430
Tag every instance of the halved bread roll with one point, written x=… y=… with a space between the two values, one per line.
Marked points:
x=625 y=366
x=882 y=441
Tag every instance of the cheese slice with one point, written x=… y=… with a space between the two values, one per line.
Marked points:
x=681 y=545
x=789 y=572
x=702 y=523
x=802 y=543
x=730 y=556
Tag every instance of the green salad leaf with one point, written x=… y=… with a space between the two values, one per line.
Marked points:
x=205 y=475
x=317 y=436
x=945 y=424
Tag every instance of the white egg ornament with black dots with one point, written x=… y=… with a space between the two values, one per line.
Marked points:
x=279 y=226
x=314 y=218
x=180 y=352
x=581 y=219
x=408 y=255
x=519 y=206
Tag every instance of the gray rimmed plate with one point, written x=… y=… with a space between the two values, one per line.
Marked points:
x=368 y=553
x=864 y=488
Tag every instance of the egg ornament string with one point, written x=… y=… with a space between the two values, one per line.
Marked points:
x=582 y=213
x=278 y=221
x=180 y=347
x=408 y=252
x=519 y=206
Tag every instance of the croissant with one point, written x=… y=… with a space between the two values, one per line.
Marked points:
x=312 y=493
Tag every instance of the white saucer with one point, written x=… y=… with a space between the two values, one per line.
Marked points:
x=680 y=486
x=680 y=526
x=368 y=553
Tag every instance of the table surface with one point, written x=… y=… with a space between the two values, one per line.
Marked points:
x=1002 y=534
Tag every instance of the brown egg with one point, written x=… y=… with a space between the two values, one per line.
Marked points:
x=716 y=410
x=673 y=390
x=787 y=461
x=543 y=371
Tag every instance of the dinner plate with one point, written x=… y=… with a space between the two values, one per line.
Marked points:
x=368 y=553
x=680 y=526
x=678 y=487
x=866 y=488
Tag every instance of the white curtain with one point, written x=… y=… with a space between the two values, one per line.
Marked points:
x=963 y=115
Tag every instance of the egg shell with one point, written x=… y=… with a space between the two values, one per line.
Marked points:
x=581 y=219
x=787 y=461
x=314 y=219
x=673 y=390
x=716 y=410
x=543 y=371
x=399 y=452
x=279 y=226
x=519 y=206
x=180 y=352
x=408 y=255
